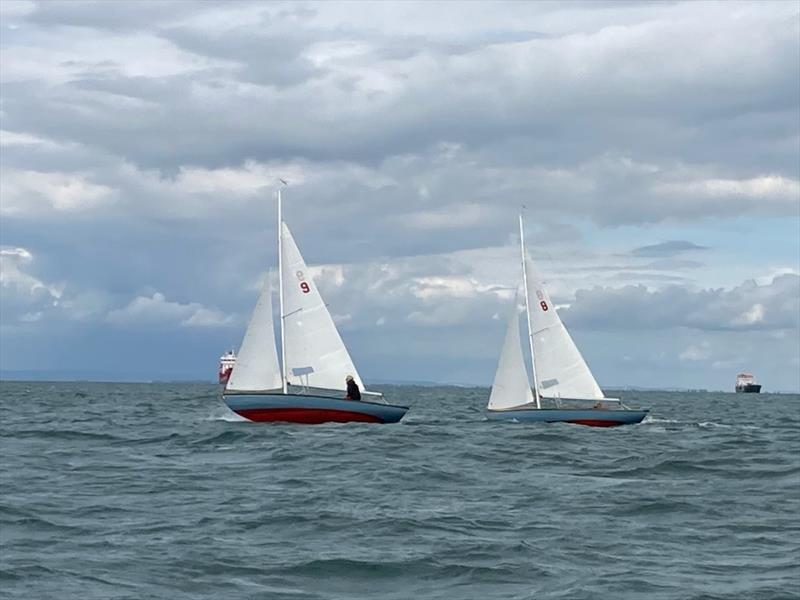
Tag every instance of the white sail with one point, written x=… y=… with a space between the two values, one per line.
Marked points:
x=315 y=354
x=561 y=371
x=511 y=386
x=256 y=367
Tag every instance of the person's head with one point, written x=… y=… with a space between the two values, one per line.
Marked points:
x=349 y=378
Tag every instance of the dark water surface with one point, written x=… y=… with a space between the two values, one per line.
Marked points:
x=156 y=491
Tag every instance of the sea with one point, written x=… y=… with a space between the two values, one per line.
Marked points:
x=138 y=491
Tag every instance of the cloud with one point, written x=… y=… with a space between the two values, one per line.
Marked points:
x=767 y=187
x=156 y=309
x=752 y=316
x=749 y=306
x=141 y=147
x=381 y=97
x=670 y=248
x=16 y=8
x=28 y=298
x=696 y=352
x=20 y=286
x=34 y=191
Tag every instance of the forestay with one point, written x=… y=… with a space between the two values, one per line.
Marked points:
x=561 y=371
x=256 y=367
x=511 y=386
x=315 y=355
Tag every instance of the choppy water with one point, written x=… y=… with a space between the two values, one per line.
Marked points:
x=156 y=491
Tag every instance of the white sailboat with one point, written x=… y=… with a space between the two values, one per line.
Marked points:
x=564 y=389
x=308 y=383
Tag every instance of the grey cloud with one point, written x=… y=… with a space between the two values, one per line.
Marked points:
x=638 y=276
x=672 y=264
x=670 y=248
x=475 y=100
x=126 y=14
x=750 y=306
x=267 y=58
x=412 y=139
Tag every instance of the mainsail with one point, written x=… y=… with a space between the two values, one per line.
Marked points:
x=256 y=366
x=315 y=355
x=561 y=371
x=511 y=386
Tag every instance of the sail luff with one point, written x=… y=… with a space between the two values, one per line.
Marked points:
x=528 y=313
x=280 y=293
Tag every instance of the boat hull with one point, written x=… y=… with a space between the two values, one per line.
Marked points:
x=748 y=388
x=592 y=417
x=310 y=410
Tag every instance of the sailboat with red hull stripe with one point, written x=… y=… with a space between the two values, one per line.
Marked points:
x=308 y=385
x=564 y=389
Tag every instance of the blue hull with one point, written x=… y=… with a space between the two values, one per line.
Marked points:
x=309 y=409
x=589 y=416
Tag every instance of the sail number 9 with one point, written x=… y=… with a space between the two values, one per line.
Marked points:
x=543 y=304
x=304 y=287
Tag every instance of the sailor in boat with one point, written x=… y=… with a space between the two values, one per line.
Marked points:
x=353 y=393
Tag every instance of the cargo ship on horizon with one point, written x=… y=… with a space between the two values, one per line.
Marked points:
x=746 y=384
x=226 y=362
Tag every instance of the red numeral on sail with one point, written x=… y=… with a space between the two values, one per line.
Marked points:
x=304 y=287
x=543 y=304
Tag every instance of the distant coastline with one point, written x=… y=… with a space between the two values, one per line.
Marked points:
x=45 y=376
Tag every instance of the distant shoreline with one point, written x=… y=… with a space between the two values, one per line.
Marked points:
x=134 y=381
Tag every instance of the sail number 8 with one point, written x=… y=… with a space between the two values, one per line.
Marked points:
x=543 y=304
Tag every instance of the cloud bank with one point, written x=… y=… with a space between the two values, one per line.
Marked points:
x=655 y=147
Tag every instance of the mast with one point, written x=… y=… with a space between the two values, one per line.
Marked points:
x=528 y=312
x=280 y=292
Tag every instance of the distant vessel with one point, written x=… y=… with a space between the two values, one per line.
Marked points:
x=564 y=390
x=226 y=362
x=308 y=384
x=746 y=384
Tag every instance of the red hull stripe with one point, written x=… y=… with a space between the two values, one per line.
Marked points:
x=311 y=416
x=597 y=423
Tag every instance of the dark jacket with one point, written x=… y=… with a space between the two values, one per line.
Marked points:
x=353 y=393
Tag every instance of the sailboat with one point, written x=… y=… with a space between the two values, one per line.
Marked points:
x=308 y=384
x=564 y=390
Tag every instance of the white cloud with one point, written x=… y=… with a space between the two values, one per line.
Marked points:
x=766 y=187
x=10 y=9
x=753 y=315
x=698 y=352
x=156 y=309
x=773 y=306
x=454 y=287
x=452 y=216
x=14 y=280
x=57 y=59
x=20 y=138
x=250 y=178
x=25 y=191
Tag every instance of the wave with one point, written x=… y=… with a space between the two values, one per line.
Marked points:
x=428 y=567
x=650 y=420
x=69 y=434
x=225 y=414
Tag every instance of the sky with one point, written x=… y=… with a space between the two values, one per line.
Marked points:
x=655 y=147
